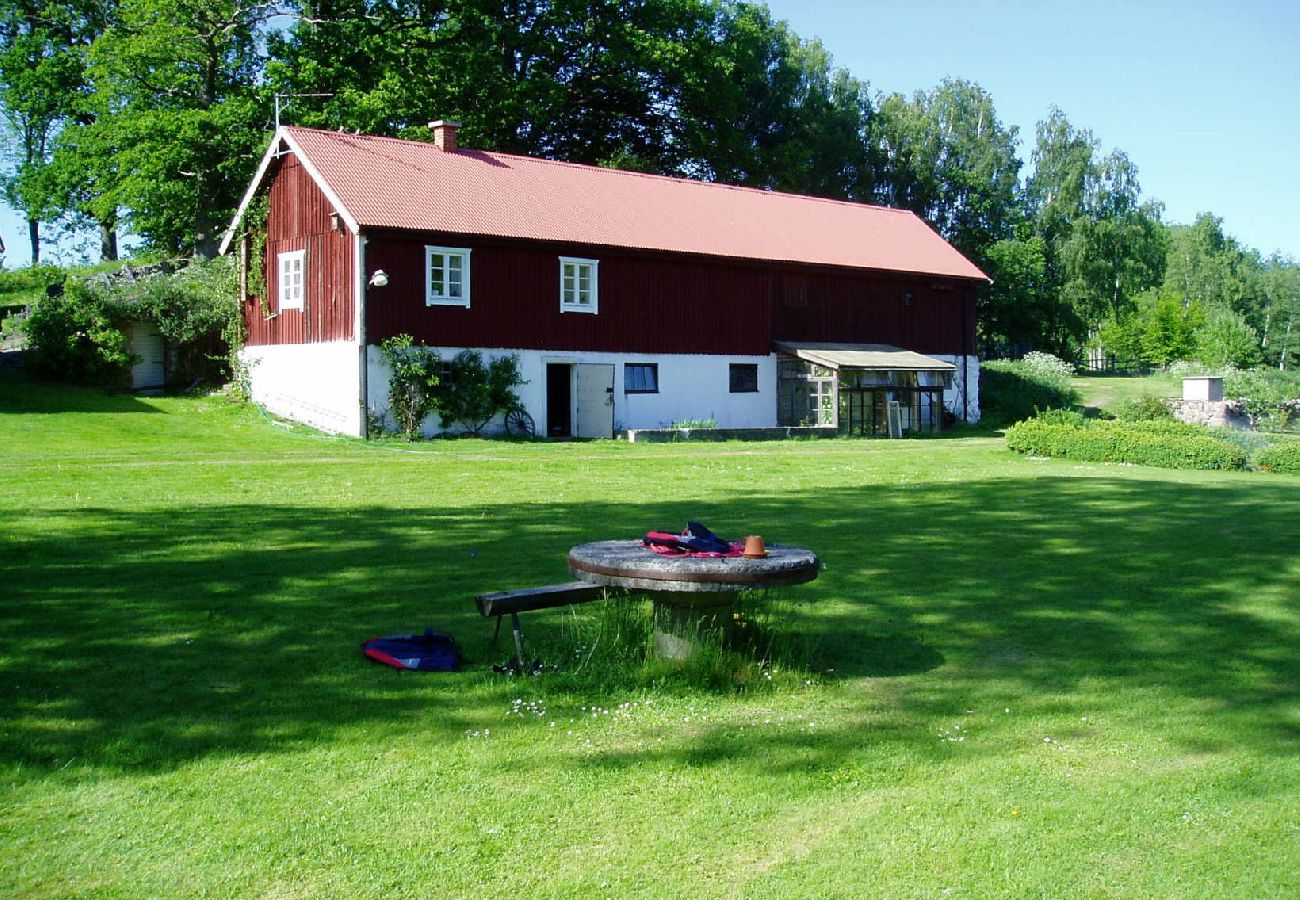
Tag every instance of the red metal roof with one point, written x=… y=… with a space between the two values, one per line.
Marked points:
x=391 y=183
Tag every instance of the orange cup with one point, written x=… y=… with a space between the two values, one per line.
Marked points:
x=754 y=547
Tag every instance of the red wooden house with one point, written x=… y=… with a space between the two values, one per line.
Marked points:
x=630 y=300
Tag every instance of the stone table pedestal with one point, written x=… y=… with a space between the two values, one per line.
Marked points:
x=694 y=596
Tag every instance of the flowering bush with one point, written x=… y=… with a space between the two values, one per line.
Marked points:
x=1047 y=367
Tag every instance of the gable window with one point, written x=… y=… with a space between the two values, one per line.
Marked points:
x=744 y=378
x=293 y=279
x=578 y=284
x=641 y=378
x=446 y=276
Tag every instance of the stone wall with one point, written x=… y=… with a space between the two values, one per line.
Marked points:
x=1215 y=413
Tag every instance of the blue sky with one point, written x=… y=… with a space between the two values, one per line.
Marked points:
x=1203 y=95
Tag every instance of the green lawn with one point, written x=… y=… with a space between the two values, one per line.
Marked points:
x=1101 y=391
x=1030 y=678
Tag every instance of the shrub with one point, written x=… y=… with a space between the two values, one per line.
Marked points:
x=195 y=308
x=78 y=335
x=1142 y=409
x=1166 y=444
x=1265 y=394
x=1284 y=458
x=72 y=337
x=1252 y=442
x=1070 y=417
x=1047 y=367
x=1011 y=390
x=413 y=377
x=473 y=392
x=1186 y=368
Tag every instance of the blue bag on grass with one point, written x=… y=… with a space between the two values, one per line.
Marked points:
x=433 y=651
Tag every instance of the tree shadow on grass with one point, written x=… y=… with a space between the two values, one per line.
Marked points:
x=21 y=393
x=144 y=639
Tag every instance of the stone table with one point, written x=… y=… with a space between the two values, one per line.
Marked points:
x=692 y=595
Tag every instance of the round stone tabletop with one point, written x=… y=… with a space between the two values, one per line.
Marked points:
x=630 y=564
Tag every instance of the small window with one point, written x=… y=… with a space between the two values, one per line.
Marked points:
x=744 y=378
x=293 y=278
x=578 y=291
x=641 y=378
x=446 y=276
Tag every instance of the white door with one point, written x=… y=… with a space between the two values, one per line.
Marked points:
x=595 y=401
x=147 y=344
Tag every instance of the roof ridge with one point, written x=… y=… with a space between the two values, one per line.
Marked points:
x=676 y=179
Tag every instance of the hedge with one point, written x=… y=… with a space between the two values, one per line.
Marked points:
x=1168 y=445
x=1284 y=458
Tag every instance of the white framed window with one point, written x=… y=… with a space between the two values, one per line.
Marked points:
x=578 y=290
x=293 y=279
x=446 y=276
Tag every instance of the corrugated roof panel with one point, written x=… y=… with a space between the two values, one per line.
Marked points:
x=390 y=183
x=864 y=356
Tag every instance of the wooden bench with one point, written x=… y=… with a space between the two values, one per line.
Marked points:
x=512 y=603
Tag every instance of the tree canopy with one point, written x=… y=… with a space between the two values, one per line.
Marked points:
x=150 y=115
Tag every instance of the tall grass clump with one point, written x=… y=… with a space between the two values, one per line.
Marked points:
x=608 y=647
x=1011 y=390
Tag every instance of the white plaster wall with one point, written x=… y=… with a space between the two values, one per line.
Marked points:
x=690 y=387
x=952 y=396
x=313 y=383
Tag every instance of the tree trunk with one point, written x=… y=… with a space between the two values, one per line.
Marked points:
x=107 y=242
x=34 y=237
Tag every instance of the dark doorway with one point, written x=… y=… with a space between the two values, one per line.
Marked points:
x=559 y=400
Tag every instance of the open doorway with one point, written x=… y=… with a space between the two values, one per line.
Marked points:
x=559 y=400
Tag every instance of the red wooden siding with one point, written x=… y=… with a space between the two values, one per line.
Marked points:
x=660 y=303
x=300 y=218
x=916 y=313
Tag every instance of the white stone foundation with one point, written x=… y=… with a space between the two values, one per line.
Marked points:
x=317 y=384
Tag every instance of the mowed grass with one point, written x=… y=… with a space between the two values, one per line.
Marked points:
x=1102 y=391
x=1029 y=678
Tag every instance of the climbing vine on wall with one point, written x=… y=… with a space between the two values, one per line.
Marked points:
x=255 y=218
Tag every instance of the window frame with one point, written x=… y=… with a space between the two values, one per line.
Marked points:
x=731 y=378
x=431 y=299
x=579 y=263
x=288 y=299
x=654 y=373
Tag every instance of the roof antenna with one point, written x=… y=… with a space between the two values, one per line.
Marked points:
x=278 y=105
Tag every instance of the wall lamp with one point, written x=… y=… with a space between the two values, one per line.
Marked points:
x=379 y=278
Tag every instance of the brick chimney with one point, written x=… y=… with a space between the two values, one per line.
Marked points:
x=444 y=134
